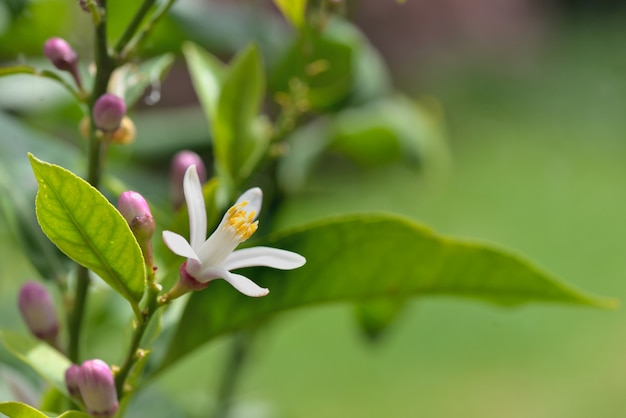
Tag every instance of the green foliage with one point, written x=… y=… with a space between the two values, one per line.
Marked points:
x=45 y=360
x=87 y=228
x=366 y=258
x=20 y=410
x=207 y=75
x=148 y=73
x=293 y=10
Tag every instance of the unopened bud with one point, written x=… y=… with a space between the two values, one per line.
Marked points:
x=38 y=311
x=97 y=388
x=108 y=112
x=63 y=57
x=71 y=380
x=136 y=211
x=180 y=163
x=84 y=6
x=125 y=134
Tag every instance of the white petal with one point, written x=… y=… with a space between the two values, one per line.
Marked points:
x=179 y=245
x=264 y=256
x=254 y=197
x=195 y=207
x=241 y=283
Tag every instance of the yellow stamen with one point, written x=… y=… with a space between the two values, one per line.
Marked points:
x=241 y=221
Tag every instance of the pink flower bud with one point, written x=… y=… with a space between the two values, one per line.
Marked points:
x=61 y=54
x=108 y=112
x=37 y=309
x=97 y=388
x=71 y=380
x=136 y=211
x=180 y=163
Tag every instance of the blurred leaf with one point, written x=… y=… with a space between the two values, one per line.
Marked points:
x=383 y=131
x=79 y=220
x=293 y=10
x=45 y=360
x=207 y=75
x=364 y=258
x=17 y=69
x=238 y=105
x=149 y=73
x=74 y=414
x=306 y=145
x=376 y=317
x=20 y=410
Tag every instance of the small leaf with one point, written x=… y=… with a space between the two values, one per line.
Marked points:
x=293 y=10
x=376 y=317
x=364 y=258
x=45 y=360
x=17 y=69
x=207 y=75
x=20 y=410
x=237 y=110
x=79 y=220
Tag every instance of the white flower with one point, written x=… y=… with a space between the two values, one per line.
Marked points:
x=214 y=257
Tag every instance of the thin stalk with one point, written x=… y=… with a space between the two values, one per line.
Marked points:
x=95 y=157
x=133 y=26
x=240 y=350
x=146 y=30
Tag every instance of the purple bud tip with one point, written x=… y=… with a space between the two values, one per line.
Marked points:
x=97 y=388
x=61 y=54
x=71 y=380
x=108 y=112
x=180 y=163
x=37 y=309
x=136 y=211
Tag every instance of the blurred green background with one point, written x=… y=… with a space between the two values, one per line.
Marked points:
x=536 y=127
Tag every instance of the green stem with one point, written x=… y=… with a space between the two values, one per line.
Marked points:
x=95 y=152
x=145 y=31
x=133 y=26
x=240 y=350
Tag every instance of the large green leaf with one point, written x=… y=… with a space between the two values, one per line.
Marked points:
x=367 y=258
x=79 y=220
x=20 y=410
x=45 y=360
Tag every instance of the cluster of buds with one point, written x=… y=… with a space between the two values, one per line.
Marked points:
x=93 y=384
x=38 y=311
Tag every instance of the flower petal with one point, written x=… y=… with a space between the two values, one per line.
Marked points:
x=239 y=282
x=264 y=256
x=179 y=245
x=254 y=197
x=195 y=207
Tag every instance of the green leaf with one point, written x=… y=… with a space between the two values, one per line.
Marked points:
x=293 y=10
x=74 y=414
x=79 y=220
x=365 y=258
x=17 y=69
x=207 y=75
x=20 y=410
x=45 y=360
x=235 y=139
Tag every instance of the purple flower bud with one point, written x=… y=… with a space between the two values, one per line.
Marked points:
x=136 y=211
x=38 y=311
x=108 y=112
x=62 y=56
x=71 y=380
x=60 y=53
x=97 y=388
x=180 y=163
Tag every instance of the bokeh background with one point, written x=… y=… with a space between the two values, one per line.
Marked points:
x=533 y=98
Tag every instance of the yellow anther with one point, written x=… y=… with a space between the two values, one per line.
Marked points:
x=241 y=222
